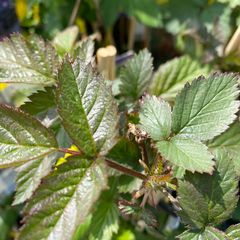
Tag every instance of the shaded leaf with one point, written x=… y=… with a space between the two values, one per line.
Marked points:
x=233 y=232
x=29 y=177
x=87 y=108
x=85 y=51
x=205 y=108
x=187 y=154
x=209 y=199
x=27 y=60
x=171 y=76
x=22 y=138
x=56 y=210
x=135 y=76
x=155 y=118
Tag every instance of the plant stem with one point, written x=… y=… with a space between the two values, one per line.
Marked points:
x=125 y=170
x=72 y=152
x=74 y=12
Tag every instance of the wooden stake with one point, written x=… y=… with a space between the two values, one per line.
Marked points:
x=234 y=43
x=106 y=58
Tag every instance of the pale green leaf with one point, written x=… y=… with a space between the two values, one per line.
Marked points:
x=205 y=108
x=64 y=41
x=29 y=176
x=155 y=118
x=22 y=138
x=85 y=50
x=233 y=232
x=229 y=141
x=135 y=76
x=188 y=154
x=208 y=233
x=27 y=60
x=209 y=200
x=171 y=76
x=106 y=216
x=64 y=200
x=87 y=108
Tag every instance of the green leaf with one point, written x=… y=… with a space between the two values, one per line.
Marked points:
x=205 y=108
x=87 y=108
x=229 y=141
x=39 y=102
x=155 y=118
x=233 y=232
x=105 y=218
x=29 y=177
x=27 y=60
x=64 y=200
x=64 y=41
x=22 y=138
x=172 y=75
x=207 y=234
x=187 y=154
x=209 y=199
x=135 y=76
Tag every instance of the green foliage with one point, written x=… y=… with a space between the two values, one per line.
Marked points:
x=233 y=232
x=86 y=106
x=57 y=208
x=171 y=76
x=27 y=60
x=135 y=76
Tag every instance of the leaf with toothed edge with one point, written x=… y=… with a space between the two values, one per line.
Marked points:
x=209 y=200
x=205 y=108
x=27 y=60
x=187 y=154
x=233 y=232
x=29 y=176
x=87 y=108
x=22 y=138
x=64 y=200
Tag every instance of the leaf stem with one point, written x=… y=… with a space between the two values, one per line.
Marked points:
x=72 y=152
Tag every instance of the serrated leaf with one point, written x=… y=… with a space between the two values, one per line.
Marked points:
x=39 y=102
x=207 y=234
x=64 y=200
x=64 y=41
x=135 y=76
x=87 y=108
x=171 y=76
x=29 y=177
x=205 y=108
x=188 y=154
x=106 y=216
x=85 y=51
x=229 y=141
x=209 y=200
x=233 y=232
x=27 y=60
x=22 y=138
x=155 y=118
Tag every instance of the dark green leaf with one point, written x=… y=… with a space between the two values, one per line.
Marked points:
x=87 y=108
x=22 y=138
x=135 y=76
x=64 y=200
x=27 y=60
x=207 y=199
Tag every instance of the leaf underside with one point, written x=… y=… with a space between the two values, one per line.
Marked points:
x=22 y=138
x=87 y=108
x=27 y=60
x=205 y=108
x=64 y=200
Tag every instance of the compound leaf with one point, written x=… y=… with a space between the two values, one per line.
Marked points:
x=187 y=154
x=64 y=200
x=29 y=177
x=22 y=138
x=87 y=108
x=27 y=60
x=209 y=200
x=155 y=117
x=206 y=234
x=233 y=232
x=205 y=108
x=135 y=76
x=171 y=76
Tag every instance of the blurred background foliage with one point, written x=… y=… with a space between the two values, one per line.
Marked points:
x=200 y=29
